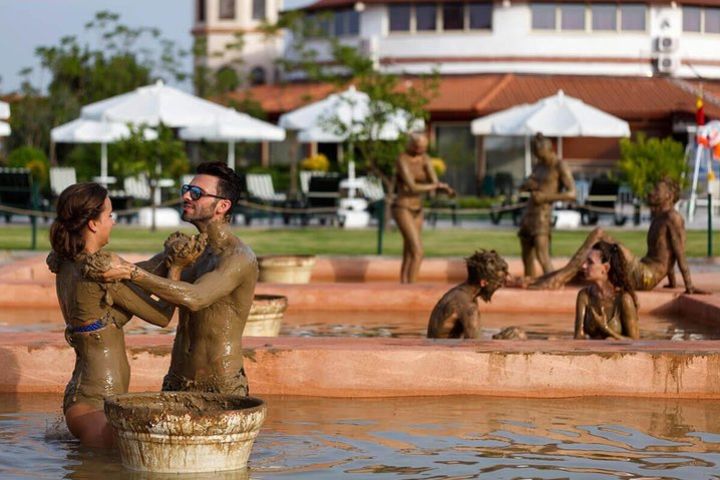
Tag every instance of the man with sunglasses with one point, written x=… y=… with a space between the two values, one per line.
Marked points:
x=215 y=293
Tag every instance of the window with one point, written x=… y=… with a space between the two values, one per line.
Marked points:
x=340 y=23
x=712 y=20
x=632 y=17
x=425 y=16
x=543 y=16
x=572 y=16
x=399 y=18
x=353 y=22
x=480 y=16
x=257 y=76
x=453 y=16
x=258 y=9
x=227 y=9
x=604 y=17
x=691 y=19
x=200 y=12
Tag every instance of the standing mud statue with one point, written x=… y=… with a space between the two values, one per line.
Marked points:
x=414 y=177
x=549 y=182
x=215 y=295
x=665 y=248
x=607 y=308
x=456 y=314
x=95 y=312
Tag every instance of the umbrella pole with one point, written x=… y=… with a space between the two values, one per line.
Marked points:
x=231 y=155
x=528 y=159
x=103 y=164
x=560 y=151
x=292 y=136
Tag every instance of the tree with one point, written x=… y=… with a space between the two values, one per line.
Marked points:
x=121 y=59
x=153 y=159
x=644 y=162
x=389 y=95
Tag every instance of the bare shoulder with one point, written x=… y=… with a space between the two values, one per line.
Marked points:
x=239 y=255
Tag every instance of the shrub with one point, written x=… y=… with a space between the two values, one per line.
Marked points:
x=439 y=166
x=33 y=159
x=646 y=161
x=317 y=162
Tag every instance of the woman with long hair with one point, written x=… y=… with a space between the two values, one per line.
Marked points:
x=607 y=308
x=94 y=312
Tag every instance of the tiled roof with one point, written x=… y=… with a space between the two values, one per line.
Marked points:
x=467 y=96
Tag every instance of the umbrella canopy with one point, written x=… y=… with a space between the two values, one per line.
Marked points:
x=82 y=130
x=315 y=122
x=556 y=116
x=4 y=110
x=231 y=126
x=4 y=129
x=155 y=104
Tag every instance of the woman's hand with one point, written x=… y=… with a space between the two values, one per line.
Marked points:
x=182 y=250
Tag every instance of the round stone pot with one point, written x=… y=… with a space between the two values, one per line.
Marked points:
x=184 y=431
x=266 y=315
x=286 y=268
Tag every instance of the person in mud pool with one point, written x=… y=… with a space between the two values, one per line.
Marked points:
x=456 y=314
x=215 y=294
x=607 y=308
x=94 y=311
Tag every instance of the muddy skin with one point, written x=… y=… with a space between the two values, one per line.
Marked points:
x=456 y=314
x=214 y=296
x=665 y=248
x=101 y=365
x=415 y=176
x=601 y=317
x=550 y=181
x=510 y=333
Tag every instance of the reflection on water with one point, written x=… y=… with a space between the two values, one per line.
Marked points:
x=408 y=324
x=419 y=438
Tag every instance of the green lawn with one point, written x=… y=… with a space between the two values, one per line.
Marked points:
x=334 y=241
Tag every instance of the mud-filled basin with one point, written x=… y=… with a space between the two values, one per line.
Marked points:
x=266 y=316
x=172 y=432
x=286 y=268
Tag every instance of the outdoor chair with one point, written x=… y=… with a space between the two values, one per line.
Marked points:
x=18 y=191
x=61 y=178
x=260 y=186
x=305 y=176
x=324 y=192
x=604 y=193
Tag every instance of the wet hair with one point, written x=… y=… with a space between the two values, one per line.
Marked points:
x=76 y=206
x=618 y=274
x=539 y=142
x=229 y=183
x=673 y=186
x=486 y=265
x=414 y=138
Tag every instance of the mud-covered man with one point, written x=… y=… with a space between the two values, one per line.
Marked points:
x=215 y=294
x=456 y=314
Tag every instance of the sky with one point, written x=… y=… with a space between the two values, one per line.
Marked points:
x=27 y=24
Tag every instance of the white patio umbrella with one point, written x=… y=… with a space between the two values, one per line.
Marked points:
x=4 y=114
x=555 y=116
x=82 y=130
x=155 y=104
x=231 y=126
x=317 y=122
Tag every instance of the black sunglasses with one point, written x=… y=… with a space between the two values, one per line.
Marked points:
x=196 y=193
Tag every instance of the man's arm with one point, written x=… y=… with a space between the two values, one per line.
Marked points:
x=470 y=319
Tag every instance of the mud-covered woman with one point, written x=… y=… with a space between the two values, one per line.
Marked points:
x=95 y=312
x=415 y=176
x=607 y=308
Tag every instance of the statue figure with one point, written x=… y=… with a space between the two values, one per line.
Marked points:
x=215 y=294
x=607 y=308
x=95 y=312
x=415 y=176
x=456 y=314
x=549 y=182
x=665 y=247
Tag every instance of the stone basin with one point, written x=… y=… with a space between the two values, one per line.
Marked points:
x=184 y=432
x=266 y=316
x=286 y=268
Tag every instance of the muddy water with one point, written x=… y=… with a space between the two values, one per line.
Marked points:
x=384 y=324
x=415 y=438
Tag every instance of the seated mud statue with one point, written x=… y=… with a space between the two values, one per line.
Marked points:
x=607 y=308
x=549 y=182
x=665 y=248
x=456 y=314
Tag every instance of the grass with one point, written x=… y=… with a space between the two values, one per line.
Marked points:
x=334 y=241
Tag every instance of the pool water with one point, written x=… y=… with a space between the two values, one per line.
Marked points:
x=417 y=438
x=412 y=324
